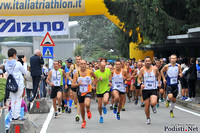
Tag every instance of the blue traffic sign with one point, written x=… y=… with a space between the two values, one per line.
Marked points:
x=47 y=52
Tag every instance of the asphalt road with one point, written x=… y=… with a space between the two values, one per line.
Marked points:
x=133 y=120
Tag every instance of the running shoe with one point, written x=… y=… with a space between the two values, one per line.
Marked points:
x=66 y=109
x=162 y=100
x=123 y=108
x=142 y=104
x=148 y=121
x=157 y=105
x=75 y=106
x=56 y=114
x=83 y=124
x=111 y=107
x=115 y=109
x=69 y=110
x=59 y=111
x=104 y=110
x=154 y=109
x=171 y=114
x=89 y=115
x=101 y=119
x=118 y=116
x=136 y=101
x=77 y=118
x=167 y=104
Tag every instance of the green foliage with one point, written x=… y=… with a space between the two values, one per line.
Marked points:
x=78 y=51
x=98 y=37
x=2 y=57
x=156 y=18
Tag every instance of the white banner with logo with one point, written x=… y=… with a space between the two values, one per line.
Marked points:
x=34 y=25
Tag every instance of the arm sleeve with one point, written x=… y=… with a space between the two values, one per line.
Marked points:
x=41 y=60
x=23 y=68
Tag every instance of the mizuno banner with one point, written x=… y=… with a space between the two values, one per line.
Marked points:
x=33 y=25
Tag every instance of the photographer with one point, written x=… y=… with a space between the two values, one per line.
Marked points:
x=15 y=68
x=36 y=63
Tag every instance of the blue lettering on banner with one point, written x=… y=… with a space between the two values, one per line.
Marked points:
x=12 y=26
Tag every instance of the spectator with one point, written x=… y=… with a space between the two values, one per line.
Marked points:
x=29 y=83
x=191 y=78
x=36 y=63
x=183 y=80
x=43 y=81
x=15 y=68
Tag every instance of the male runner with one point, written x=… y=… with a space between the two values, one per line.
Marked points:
x=102 y=89
x=55 y=79
x=149 y=89
x=119 y=76
x=173 y=70
x=82 y=81
x=73 y=69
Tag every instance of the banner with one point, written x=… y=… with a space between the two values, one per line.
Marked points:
x=40 y=7
x=34 y=25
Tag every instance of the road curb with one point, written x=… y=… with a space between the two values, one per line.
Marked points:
x=189 y=105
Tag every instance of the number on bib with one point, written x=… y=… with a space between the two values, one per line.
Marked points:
x=83 y=88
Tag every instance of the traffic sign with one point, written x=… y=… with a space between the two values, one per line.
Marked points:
x=47 y=41
x=48 y=52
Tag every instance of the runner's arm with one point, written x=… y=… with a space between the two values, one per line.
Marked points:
x=158 y=75
x=74 y=82
x=64 y=75
x=164 y=69
x=70 y=71
x=48 y=79
x=180 y=71
x=140 y=76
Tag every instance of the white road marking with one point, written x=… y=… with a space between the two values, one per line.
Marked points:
x=47 y=121
x=187 y=111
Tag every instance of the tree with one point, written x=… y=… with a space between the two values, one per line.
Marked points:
x=156 y=18
x=78 y=50
x=98 y=37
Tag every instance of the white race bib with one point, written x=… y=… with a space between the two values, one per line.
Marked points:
x=83 y=88
x=173 y=80
x=56 y=82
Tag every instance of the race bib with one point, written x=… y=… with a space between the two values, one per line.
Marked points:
x=118 y=84
x=69 y=82
x=83 y=88
x=56 y=82
x=173 y=80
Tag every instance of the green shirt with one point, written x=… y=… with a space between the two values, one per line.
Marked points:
x=103 y=85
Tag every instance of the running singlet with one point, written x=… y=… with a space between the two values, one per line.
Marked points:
x=85 y=86
x=118 y=82
x=57 y=77
x=103 y=85
x=172 y=75
x=150 y=79
x=132 y=80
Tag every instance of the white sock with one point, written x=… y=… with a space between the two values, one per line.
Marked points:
x=172 y=106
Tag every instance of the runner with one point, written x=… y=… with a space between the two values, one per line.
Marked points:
x=82 y=80
x=173 y=70
x=103 y=76
x=118 y=79
x=160 y=89
x=73 y=69
x=55 y=79
x=148 y=86
x=137 y=85
x=68 y=93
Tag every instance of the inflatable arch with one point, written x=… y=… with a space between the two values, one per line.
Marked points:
x=71 y=7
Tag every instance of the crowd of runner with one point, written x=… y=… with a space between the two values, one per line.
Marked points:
x=116 y=82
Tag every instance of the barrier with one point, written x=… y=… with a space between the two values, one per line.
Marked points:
x=39 y=106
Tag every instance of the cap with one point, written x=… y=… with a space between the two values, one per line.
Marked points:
x=69 y=60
